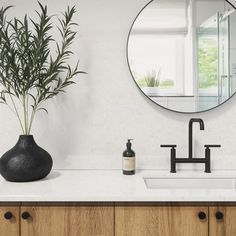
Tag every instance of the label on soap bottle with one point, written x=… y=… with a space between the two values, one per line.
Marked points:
x=128 y=163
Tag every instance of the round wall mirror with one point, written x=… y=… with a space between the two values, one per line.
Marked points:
x=182 y=53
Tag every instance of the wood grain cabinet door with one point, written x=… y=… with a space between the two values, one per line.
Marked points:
x=160 y=221
x=68 y=221
x=222 y=221
x=9 y=221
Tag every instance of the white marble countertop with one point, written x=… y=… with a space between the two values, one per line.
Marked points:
x=111 y=186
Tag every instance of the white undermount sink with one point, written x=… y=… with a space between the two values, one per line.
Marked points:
x=189 y=183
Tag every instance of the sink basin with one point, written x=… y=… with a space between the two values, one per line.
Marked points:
x=189 y=183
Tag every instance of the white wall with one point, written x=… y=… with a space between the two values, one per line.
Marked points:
x=207 y=8
x=88 y=126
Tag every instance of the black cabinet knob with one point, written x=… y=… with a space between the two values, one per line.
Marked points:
x=25 y=215
x=219 y=215
x=202 y=215
x=8 y=215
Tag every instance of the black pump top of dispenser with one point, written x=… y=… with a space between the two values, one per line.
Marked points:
x=129 y=152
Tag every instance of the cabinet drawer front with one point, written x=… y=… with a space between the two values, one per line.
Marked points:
x=9 y=225
x=222 y=221
x=69 y=221
x=160 y=221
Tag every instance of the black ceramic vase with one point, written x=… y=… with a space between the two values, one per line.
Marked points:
x=26 y=161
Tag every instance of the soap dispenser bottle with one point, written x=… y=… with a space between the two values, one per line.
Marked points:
x=129 y=160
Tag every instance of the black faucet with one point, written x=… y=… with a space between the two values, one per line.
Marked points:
x=190 y=135
x=190 y=159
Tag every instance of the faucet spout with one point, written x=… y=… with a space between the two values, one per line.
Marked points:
x=201 y=123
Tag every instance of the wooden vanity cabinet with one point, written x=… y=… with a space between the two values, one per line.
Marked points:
x=118 y=219
x=151 y=220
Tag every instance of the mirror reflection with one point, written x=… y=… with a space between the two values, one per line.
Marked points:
x=182 y=53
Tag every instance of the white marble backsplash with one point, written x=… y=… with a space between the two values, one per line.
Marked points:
x=88 y=126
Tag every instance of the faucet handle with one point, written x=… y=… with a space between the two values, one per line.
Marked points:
x=208 y=156
x=172 y=156
x=168 y=146
x=212 y=146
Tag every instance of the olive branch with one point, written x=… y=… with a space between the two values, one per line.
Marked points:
x=29 y=73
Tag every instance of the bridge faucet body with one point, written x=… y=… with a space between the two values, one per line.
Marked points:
x=190 y=159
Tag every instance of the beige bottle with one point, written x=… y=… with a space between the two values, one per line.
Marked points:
x=129 y=160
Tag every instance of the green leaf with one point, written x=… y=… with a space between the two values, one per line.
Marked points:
x=42 y=109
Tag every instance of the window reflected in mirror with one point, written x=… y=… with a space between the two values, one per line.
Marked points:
x=182 y=53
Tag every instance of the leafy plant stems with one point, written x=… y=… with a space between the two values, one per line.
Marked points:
x=16 y=112
x=25 y=105
x=29 y=72
x=31 y=120
x=32 y=116
x=153 y=79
